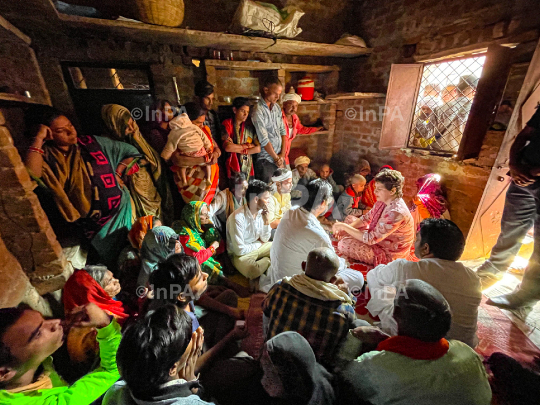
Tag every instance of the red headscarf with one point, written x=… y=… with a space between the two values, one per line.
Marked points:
x=81 y=289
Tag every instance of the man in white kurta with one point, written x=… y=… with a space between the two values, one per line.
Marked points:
x=298 y=233
x=439 y=244
x=248 y=233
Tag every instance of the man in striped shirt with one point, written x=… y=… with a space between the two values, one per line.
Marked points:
x=312 y=305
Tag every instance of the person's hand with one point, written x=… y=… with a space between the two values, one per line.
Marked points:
x=238 y=314
x=89 y=316
x=266 y=215
x=337 y=228
x=321 y=128
x=44 y=134
x=341 y=284
x=215 y=245
x=370 y=335
x=238 y=333
x=279 y=161
x=197 y=340
x=521 y=175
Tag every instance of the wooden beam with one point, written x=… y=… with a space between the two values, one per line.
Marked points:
x=14 y=30
x=480 y=47
x=248 y=65
x=136 y=31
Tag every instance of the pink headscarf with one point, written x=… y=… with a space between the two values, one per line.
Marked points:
x=431 y=194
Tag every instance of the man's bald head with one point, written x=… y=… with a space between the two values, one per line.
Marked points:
x=322 y=264
x=422 y=312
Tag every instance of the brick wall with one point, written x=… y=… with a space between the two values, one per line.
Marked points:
x=357 y=136
x=317 y=146
x=395 y=27
x=18 y=68
x=25 y=229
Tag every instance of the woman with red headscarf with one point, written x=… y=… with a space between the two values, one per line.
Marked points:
x=94 y=284
x=429 y=202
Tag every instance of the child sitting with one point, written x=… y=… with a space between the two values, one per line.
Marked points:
x=188 y=139
x=325 y=173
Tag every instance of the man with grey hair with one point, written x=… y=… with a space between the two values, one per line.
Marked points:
x=419 y=366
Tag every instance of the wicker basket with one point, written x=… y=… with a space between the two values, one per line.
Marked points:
x=159 y=12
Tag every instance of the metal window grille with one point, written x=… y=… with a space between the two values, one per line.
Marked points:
x=443 y=103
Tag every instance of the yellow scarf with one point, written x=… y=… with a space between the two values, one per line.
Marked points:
x=320 y=290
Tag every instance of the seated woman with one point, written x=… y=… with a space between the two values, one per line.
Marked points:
x=148 y=186
x=292 y=374
x=386 y=232
x=83 y=174
x=429 y=202
x=240 y=140
x=198 y=187
x=194 y=240
x=158 y=244
x=368 y=196
x=94 y=284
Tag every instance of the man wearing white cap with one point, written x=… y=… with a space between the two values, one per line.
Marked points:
x=280 y=202
x=292 y=123
x=301 y=176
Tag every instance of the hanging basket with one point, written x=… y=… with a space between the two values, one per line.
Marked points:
x=169 y=13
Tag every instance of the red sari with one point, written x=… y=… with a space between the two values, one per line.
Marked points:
x=199 y=188
x=82 y=289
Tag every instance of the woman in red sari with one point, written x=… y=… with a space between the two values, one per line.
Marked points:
x=240 y=140
x=198 y=187
x=94 y=284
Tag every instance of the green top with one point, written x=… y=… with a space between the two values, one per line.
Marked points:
x=85 y=390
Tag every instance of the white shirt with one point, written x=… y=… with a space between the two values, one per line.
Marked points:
x=246 y=233
x=457 y=283
x=298 y=233
x=387 y=378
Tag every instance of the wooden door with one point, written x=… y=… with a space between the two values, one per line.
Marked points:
x=487 y=221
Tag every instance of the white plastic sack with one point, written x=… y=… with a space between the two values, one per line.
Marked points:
x=259 y=16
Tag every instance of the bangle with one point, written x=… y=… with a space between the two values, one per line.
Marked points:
x=212 y=249
x=37 y=150
x=119 y=174
x=122 y=163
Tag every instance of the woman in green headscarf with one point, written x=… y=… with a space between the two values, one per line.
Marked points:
x=148 y=186
x=195 y=239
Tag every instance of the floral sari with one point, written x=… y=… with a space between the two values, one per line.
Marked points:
x=195 y=239
x=198 y=187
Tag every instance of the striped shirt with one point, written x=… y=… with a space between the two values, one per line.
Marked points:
x=323 y=323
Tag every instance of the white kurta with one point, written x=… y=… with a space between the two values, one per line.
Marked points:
x=457 y=283
x=298 y=233
x=246 y=233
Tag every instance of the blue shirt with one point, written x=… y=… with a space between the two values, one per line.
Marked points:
x=269 y=126
x=194 y=321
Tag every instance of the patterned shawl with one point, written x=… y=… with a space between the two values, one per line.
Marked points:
x=83 y=183
x=198 y=239
x=238 y=162
x=431 y=195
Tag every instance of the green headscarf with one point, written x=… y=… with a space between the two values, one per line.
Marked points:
x=190 y=225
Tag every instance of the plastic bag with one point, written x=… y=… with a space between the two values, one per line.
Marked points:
x=267 y=19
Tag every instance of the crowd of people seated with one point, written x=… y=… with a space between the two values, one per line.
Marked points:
x=154 y=317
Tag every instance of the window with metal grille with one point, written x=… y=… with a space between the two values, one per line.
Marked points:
x=444 y=102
